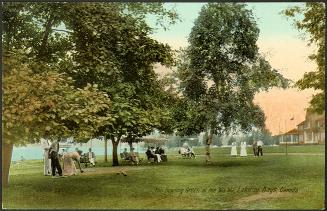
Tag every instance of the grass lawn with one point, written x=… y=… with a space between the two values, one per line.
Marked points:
x=272 y=181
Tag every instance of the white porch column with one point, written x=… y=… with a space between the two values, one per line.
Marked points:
x=312 y=137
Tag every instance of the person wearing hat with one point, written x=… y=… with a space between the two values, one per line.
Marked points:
x=55 y=165
x=259 y=145
x=126 y=154
x=134 y=157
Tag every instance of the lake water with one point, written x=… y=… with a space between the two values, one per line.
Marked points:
x=35 y=151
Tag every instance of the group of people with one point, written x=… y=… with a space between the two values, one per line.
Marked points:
x=89 y=156
x=257 y=148
x=186 y=151
x=156 y=153
x=256 y=145
x=132 y=156
x=243 y=152
x=52 y=159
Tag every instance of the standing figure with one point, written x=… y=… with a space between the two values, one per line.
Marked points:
x=55 y=165
x=234 y=150
x=260 y=144
x=69 y=165
x=255 y=149
x=243 y=152
x=46 y=158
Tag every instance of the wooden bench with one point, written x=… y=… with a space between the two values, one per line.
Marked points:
x=129 y=161
x=164 y=158
x=123 y=159
x=85 y=159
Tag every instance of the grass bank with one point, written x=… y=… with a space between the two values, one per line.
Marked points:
x=271 y=181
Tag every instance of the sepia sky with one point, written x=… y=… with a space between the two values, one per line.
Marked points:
x=283 y=47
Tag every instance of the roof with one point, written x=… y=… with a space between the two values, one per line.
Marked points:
x=292 y=132
x=301 y=123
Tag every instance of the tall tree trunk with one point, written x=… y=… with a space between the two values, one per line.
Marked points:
x=47 y=31
x=130 y=143
x=209 y=136
x=6 y=160
x=105 y=149
x=114 y=152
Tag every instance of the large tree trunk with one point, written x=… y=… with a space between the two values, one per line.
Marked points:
x=6 y=160
x=130 y=143
x=105 y=150
x=46 y=34
x=209 y=136
x=114 y=152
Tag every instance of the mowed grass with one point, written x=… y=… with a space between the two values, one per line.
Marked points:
x=273 y=181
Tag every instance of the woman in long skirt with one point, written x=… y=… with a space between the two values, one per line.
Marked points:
x=69 y=160
x=46 y=159
x=243 y=152
x=234 y=150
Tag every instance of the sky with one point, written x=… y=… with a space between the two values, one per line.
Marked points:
x=279 y=40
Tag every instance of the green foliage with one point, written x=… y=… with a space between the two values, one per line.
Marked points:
x=102 y=45
x=47 y=105
x=221 y=71
x=312 y=22
x=217 y=140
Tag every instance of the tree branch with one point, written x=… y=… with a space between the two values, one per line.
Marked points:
x=62 y=30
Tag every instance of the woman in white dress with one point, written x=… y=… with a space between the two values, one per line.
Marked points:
x=234 y=150
x=243 y=152
x=46 y=159
x=69 y=167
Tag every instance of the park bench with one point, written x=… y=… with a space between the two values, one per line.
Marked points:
x=85 y=159
x=164 y=158
x=128 y=161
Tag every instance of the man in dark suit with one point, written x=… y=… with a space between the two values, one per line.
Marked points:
x=55 y=165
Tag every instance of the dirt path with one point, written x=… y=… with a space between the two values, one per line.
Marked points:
x=261 y=196
x=111 y=170
x=271 y=153
x=295 y=153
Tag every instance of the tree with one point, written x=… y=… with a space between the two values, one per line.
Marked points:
x=122 y=66
x=102 y=44
x=46 y=105
x=311 y=19
x=221 y=71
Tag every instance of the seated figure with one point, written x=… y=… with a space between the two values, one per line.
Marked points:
x=149 y=153
x=161 y=151
x=134 y=157
x=126 y=155
x=91 y=157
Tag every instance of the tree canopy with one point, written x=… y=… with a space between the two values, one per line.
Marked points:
x=48 y=105
x=103 y=46
x=311 y=20
x=222 y=70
